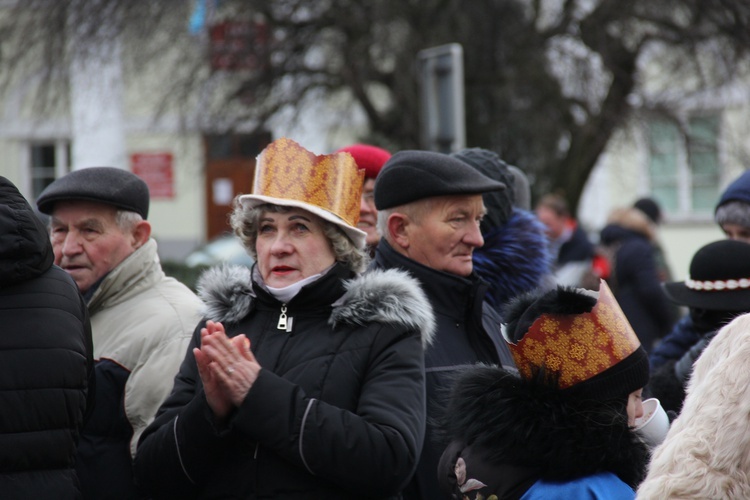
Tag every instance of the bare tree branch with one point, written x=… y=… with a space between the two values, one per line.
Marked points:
x=547 y=84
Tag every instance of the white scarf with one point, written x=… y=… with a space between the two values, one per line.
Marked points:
x=287 y=293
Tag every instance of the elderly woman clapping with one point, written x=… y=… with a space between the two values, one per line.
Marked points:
x=305 y=379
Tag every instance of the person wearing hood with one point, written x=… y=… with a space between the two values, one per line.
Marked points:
x=305 y=379
x=515 y=257
x=563 y=427
x=651 y=208
x=634 y=279
x=47 y=383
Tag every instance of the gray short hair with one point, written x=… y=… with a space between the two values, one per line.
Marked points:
x=127 y=220
x=733 y=212
x=245 y=223
x=415 y=210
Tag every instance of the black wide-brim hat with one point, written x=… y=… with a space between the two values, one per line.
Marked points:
x=719 y=278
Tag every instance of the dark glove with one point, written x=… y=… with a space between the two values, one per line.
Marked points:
x=684 y=366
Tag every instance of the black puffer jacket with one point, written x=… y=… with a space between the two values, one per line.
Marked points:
x=45 y=359
x=636 y=282
x=338 y=408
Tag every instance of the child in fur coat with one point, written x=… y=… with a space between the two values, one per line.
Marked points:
x=564 y=427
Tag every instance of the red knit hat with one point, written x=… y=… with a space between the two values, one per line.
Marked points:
x=370 y=158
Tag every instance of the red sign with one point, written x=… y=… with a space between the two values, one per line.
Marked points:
x=156 y=169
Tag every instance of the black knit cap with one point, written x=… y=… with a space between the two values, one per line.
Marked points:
x=650 y=207
x=108 y=185
x=499 y=203
x=414 y=175
x=629 y=375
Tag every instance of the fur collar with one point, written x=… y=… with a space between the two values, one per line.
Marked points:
x=632 y=220
x=527 y=423
x=381 y=296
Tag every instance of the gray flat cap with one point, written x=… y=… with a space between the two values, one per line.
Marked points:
x=108 y=185
x=414 y=175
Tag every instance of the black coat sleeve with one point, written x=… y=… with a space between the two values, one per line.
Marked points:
x=173 y=455
x=636 y=265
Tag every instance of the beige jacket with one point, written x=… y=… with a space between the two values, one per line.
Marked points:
x=143 y=320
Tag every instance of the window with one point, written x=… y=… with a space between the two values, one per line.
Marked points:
x=47 y=162
x=684 y=168
x=703 y=157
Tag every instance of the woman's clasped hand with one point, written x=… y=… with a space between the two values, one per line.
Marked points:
x=227 y=368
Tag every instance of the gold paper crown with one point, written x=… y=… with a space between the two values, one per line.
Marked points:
x=332 y=182
x=577 y=347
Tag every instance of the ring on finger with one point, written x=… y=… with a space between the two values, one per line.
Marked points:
x=230 y=370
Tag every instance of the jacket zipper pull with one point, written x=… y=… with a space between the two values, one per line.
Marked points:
x=282 y=318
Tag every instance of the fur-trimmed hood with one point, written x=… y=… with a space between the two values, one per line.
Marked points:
x=527 y=423
x=381 y=296
x=515 y=258
x=624 y=223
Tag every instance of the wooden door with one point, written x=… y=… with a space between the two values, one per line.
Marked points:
x=230 y=166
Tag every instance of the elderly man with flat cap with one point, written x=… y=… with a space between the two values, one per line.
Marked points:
x=141 y=319
x=429 y=209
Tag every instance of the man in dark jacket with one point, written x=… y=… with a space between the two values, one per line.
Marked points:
x=571 y=249
x=634 y=278
x=46 y=359
x=429 y=209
